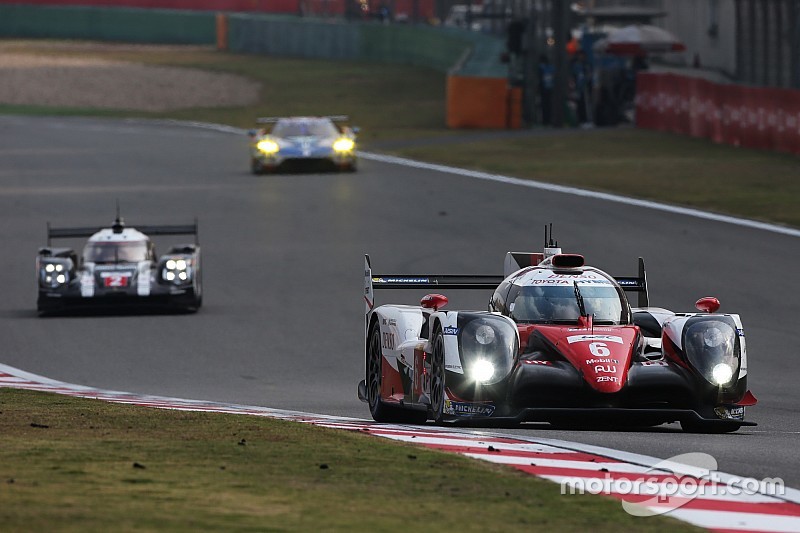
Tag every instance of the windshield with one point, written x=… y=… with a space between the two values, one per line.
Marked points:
x=306 y=128
x=542 y=304
x=112 y=252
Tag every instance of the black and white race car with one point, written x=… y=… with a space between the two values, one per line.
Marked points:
x=119 y=268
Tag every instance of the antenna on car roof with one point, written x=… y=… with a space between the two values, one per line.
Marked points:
x=119 y=224
x=548 y=237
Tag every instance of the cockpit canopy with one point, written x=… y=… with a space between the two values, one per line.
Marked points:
x=320 y=127
x=542 y=295
x=116 y=252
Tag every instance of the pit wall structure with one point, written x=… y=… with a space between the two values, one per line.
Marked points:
x=752 y=117
x=478 y=95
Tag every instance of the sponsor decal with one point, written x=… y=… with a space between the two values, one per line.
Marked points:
x=535 y=362
x=605 y=379
x=601 y=361
x=655 y=363
x=608 y=369
x=592 y=338
x=450 y=330
x=594 y=328
x=455 y=368
x=740 y=332
x=468 y=409
x=730 y=413
x=400 y=280
x=389 y=322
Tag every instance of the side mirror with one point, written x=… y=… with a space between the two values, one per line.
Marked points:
x=433 y=301
x=708 y=304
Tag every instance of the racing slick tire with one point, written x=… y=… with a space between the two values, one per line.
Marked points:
x=437 y=377
x=378 y=409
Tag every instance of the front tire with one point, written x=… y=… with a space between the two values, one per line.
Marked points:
x=697 y=426
x=378 y=409
x=438 y=378
x=256 y=167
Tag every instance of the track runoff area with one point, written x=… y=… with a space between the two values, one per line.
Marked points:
x=686 y=487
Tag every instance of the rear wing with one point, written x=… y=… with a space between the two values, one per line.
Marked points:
x=373 y=282
x=67 y=233
x=273 y=120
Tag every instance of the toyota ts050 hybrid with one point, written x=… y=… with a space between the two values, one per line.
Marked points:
x=291 y=143
x=119 y=268
x=559 y=344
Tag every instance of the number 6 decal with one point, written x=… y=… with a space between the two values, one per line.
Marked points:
x=599 y=349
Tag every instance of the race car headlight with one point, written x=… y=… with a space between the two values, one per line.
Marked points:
x=482 y=371
x=53 y=275
x=268 y=147
x=487 y=345
x=712 y=348
x=343 y=145
x=177 y=271
x=722 y=373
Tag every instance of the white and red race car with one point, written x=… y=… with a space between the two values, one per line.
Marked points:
x=559 y=344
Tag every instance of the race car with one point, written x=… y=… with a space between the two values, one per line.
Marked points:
x=292 y=143
x=559 y=343
x=119 y=269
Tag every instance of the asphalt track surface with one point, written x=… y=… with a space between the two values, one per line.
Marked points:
x=282 y=320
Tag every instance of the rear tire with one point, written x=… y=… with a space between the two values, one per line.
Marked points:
x=378 y=409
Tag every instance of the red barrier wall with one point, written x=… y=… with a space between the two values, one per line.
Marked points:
x=754 y=117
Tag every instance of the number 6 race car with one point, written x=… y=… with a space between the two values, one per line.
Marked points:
x=119 y=268
x=559 y=344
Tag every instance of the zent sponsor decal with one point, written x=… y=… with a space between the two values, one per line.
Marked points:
x=603 y=379
x=450 y=330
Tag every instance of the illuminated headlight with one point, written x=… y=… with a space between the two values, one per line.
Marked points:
x=343 y=145
x=712 y=348
x=484 y=335
x=61 y=278
x=177 y=270
x=722 y=373
x=268 y=147
x=482 y=371
x=50 y=267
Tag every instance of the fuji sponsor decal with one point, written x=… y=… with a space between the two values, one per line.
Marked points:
x=606 y=369
x=594 y=338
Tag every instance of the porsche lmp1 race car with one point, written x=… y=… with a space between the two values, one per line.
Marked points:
x=559 y=344
x=119 y=269
x=303 y=143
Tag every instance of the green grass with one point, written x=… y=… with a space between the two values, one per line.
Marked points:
x=394 y=103
x=69 y=464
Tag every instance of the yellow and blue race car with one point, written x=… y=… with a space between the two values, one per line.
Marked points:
x=298 y=143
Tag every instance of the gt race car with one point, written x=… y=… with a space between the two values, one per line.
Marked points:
x=559 y=344
x=292 y=143
x=119 y=268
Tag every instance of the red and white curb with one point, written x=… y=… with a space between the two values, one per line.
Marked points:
x=712 y=500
